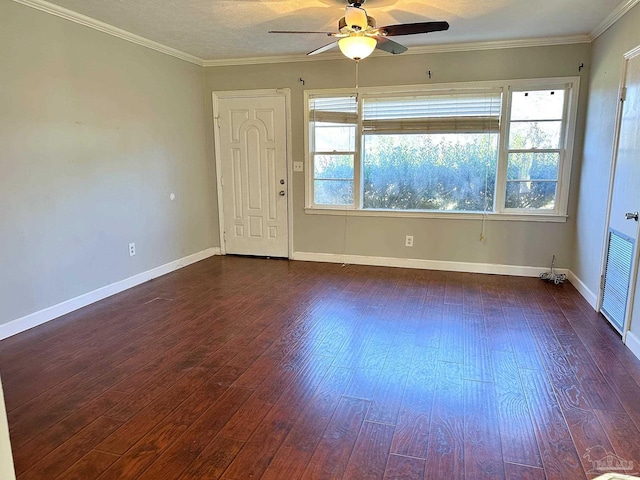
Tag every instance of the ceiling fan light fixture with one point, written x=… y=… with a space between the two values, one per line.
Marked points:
x=357 y=47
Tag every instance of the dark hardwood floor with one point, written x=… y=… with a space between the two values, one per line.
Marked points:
x=239 y=368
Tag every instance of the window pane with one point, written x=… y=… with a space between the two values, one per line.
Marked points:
x=333 y=167
x=540 y=195
x=334 y=137
x=537 y=105
x=454 y=172
x=333 y=192
x=533 y=166
x=534 y=135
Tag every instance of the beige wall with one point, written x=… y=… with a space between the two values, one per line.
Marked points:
x=606 y=71
x=95 y=133
x=511 y=243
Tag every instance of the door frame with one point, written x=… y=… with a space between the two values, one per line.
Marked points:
x=274 y=92
x=633 y=280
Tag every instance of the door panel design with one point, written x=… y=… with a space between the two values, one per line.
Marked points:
x=253 y=154
x=238 y=207
x=255 y=226
x=273 y=184
x=253 y=168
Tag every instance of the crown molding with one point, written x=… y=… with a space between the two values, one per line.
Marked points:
x=430 y=49
x=109 y=29
x=613 y=17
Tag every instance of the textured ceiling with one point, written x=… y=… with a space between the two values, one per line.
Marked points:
x=226 y=29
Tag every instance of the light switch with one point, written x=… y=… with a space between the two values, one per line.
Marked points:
x=298 y=166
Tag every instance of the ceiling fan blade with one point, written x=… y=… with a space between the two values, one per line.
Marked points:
x=389 y=45
x=327 y=47
x=297 y=31
x=413 y=28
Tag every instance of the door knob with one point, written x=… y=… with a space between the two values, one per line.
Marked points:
x=630 y=216
x=281 y=193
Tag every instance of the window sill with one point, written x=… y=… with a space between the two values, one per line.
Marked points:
x=517 y=217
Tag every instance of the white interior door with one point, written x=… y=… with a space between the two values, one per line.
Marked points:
x=620 y=275
x=252 y=150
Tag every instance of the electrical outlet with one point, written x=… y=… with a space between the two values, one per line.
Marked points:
x=132 y=249
x=408 y=242
x=298 y=166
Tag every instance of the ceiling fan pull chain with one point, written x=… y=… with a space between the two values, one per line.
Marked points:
x=357 y=63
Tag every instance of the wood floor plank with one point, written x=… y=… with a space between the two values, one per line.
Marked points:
x=596 y=388
x=66 y=429
x=246 y=419
x=190 y=391
x=498 y=332
x=257 y=453
x=482 y=448
x=404 y=468
x=53 y=411
x=625 y=440
x=559 y=456
x=387 y=397
x=445 y=452
x=581 y=420
x=523 y=472
x=411 y=435
x=451 y=346
x=90 y=466
x=477 y=361
x=291 y=459
x=371 y=451
x=519 y=444
x=67 y=454
x=160 y=441
x=331 y=456
x=213 y=460
x=175 y=459
x=524 y=346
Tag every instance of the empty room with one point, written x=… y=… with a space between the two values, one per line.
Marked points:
x=330 y=239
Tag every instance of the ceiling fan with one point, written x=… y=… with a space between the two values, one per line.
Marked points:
x=358 y=35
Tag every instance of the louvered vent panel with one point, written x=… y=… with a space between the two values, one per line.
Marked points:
x=616 y=278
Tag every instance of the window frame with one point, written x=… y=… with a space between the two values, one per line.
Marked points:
x=571 y=87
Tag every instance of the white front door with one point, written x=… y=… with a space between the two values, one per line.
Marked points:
x=620 y=275
x=252 y=173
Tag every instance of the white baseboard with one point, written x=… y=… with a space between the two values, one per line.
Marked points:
x=42 y=316
x=632 y=341
x=585 y=291
x=496 y=269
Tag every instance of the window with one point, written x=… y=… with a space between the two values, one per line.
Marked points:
x=534 y=148
x=430 y=152
x=334 y=121
x=491 y=148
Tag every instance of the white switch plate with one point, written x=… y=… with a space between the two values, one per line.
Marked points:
x=132 y=249
x=298 y=166
x=408 y=242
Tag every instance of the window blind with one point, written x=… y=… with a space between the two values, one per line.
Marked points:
x=334 y=109
x=438 y=113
